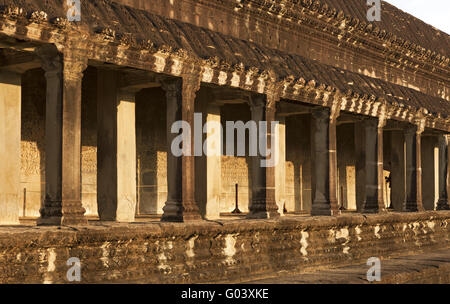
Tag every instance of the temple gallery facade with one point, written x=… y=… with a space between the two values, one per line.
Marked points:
x=87 y=109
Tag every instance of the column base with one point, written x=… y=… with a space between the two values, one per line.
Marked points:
x=62 y=221
x=263 y=209
x=373 y=207
x=443 y=205
x=181 y=212
x=263 y=215
x=413 y=207
x=65 y=213
x=324 y=209
x=374 y=211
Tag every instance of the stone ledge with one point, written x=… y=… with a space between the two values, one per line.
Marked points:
x=213 y=251
x=428 y=268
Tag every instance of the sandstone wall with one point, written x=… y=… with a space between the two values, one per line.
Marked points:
x=210 y=252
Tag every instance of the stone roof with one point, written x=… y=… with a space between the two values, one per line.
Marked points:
x=133 y=24
x=399 y=23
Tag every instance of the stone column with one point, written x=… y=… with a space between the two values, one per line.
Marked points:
x=116 y=149
x=213 y=161
x=181 y=205
x=280 y=169
x=443 y=203
x=62 y=205
x=413 y=170
x=263 y=204
x=324 y=173
x=430 y=171
x=370 y=166
x=10 y=140
x=398 y=169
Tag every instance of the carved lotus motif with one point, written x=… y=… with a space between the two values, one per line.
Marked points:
x=39 y=17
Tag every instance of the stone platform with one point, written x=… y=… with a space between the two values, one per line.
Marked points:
x=230 y=251
x=425 y=268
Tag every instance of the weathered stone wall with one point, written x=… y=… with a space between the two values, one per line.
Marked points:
x=235 y=169
x=346 y=191
x=206 y=251
x=298 y=163
x=267 y=30
x=151 y=150
x=33 y=142
x=89 y=142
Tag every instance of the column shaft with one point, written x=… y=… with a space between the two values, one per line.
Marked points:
x=263 y=203
x=324 y=160
x=443 y=203
x=62 y=205
x=413 y=170
x=372 y=142
x=10 y=140
x=213 y=162
x=180 y=205
x=280 y=169
x=116 y=153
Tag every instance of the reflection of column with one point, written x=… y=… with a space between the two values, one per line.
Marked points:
x=116 y=154
x=324 y=160
x=62 y=204
x=443 y=203
x=180 y=205
x=263 y=204
x=372 y=165
x=413 y=170
x=10 y=137
x=280 y=168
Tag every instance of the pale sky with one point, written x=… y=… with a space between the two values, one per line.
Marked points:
x=433 y=12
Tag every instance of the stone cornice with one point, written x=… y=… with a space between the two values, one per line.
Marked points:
x=107 y=46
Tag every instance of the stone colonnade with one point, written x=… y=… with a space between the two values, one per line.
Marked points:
x=116 y=194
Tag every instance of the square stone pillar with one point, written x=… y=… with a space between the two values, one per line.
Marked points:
x=413 y=170
x=116 y=152
x=398 y=169
x=62 y=205
x=10 y=140
x=181 y=205
x=213 y=150
x=443 y=203
x=324 y=163
x=430 y=171
x=369 y=165
x=280 y=169
x=263 y=204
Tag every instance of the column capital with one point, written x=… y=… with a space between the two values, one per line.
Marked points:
x=172 y=85
x=421 y=122
x=51 y=59
x=321 y=114
x=335 y=110
x=257 y=101
x=74 y=65
x=382 y=118
x=411 y=130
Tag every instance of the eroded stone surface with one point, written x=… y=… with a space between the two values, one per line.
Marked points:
x=205 y=252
